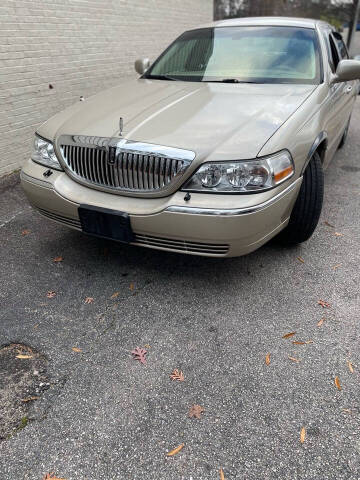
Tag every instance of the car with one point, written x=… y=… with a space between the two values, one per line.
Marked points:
x=219 y=145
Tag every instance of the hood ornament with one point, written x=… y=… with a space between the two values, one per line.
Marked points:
x=121 y=126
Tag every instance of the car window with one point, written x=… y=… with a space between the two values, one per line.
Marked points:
x=246 y=54
x=341 y=46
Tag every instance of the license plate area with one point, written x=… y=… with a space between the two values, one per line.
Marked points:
x=106 y=223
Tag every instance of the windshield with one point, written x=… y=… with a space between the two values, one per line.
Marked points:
x=241 y=54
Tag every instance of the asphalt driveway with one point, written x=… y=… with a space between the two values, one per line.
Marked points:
x=107 y=416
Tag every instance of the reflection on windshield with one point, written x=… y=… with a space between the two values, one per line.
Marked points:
x=241 y=54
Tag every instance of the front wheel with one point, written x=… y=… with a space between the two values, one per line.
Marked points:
x=306 y=212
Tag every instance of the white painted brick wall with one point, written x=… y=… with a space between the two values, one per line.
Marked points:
x=78 y=46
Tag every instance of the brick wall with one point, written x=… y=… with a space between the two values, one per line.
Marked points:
x=79 y=47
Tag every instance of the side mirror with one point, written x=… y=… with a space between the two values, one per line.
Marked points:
x=346 y=70
x=141 y=65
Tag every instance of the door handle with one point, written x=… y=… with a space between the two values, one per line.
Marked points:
x=348 y=89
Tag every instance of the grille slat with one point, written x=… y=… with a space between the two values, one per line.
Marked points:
x=130 y=170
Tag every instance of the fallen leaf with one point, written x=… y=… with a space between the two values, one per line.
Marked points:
x=297 y=342
x=25 y=232
x=288 y=335
x=147 y=345
x=293 y=359
x=50 y=476
x=349 y=364
x=24 y=357
x=337 y=383
x=177 y=375
x=336 y=266
x=302 y=435
x=309 y=341
x=324 y=304
x=301 y=259
x=51 y=294
x=89 y=300
x=76 y=349
x=175 y=451
x=196 y=411
x=114 y=295
x=267 y=359
x=338 y=234
x=222 y=476
x=329 y=224
x=29 y=399
x=139 y=354
x=58 y=259
x=132 y=286
x=347 y=410
x=320 y=322
x=36 y=325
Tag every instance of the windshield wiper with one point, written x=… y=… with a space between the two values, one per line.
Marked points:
x=230 y=80
x=161 y=77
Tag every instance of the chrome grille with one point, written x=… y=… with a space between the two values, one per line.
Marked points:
x=124 y=166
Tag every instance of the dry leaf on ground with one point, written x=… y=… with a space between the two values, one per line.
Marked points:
x=351 y=368
x=301 y=259
x=175 y=451
x=293 y=359
x=139 y=354
x=89 y=300
x=324 y=304
x=320 y=322
x=50 y=476
x=298 y=342
x=347 y=410
x=29 y=399
x=51 y=294
x=267 y=359
x=288 y=335
x=114 y=295
x=338 y=234
x=196 y=411
x=302 y=435
x=132 y=286
x=336 y=266
x=76 y=349
x=309 y=341
x=24 y=357
x=177 y=375
x=328 y=224
x=25 y=232
x=58 y=259
x=337 y=383
x=222 y=476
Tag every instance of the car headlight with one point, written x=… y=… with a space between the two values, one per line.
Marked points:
x=242 y=176
x=44 y=153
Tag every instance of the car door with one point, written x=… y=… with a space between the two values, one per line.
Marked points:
x=341 y=94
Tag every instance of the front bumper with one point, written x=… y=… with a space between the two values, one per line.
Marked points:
x=209 y=224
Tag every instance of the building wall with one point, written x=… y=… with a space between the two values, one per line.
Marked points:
x=54 y=51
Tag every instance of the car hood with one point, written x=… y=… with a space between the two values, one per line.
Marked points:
x=215 y=120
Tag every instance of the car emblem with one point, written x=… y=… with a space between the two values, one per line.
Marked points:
x=111 y=155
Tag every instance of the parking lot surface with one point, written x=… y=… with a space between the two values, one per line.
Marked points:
x=107 y=416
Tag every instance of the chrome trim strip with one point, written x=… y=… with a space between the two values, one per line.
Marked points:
x=233 y=211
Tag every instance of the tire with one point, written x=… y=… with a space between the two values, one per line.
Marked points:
x=306 y=212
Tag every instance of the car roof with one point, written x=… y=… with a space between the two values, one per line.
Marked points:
x=267 y=21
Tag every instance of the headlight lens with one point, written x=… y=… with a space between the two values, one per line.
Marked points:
x=44 y=153
x=242 y=176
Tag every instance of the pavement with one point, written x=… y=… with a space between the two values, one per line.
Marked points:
x=107 y=416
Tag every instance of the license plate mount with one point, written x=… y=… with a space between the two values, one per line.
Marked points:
x=106 y=223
